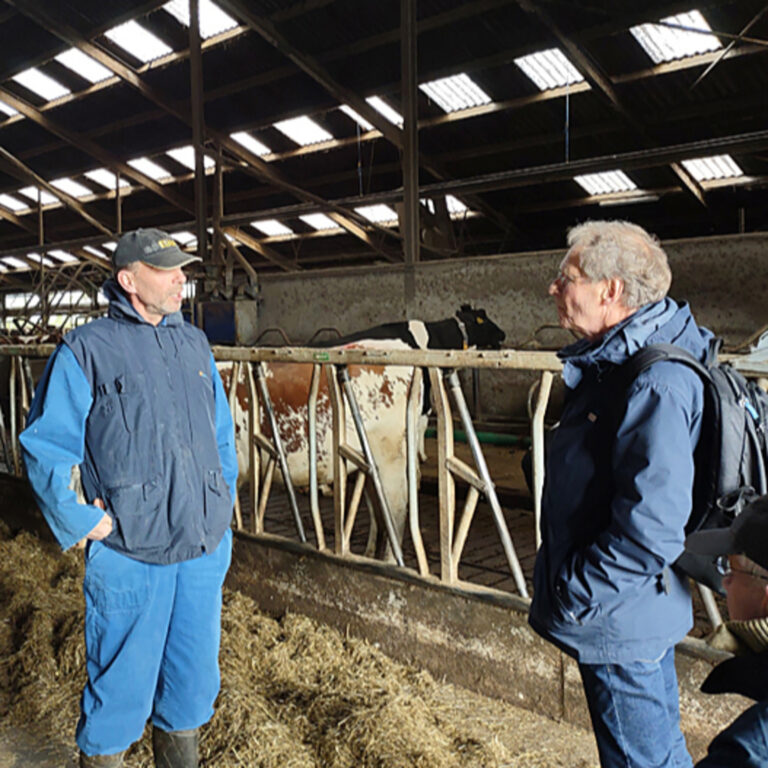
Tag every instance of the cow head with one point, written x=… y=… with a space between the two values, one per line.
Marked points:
x=482 y=333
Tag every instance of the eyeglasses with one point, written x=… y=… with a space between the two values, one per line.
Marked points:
x=724 y=568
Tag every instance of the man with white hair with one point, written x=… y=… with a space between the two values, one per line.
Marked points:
x=618 y=493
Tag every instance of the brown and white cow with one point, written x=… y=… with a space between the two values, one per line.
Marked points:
x=381 y=393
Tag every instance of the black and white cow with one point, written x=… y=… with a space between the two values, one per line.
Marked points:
x=381 y=392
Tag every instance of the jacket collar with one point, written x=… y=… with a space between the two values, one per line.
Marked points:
x=121 y=309
x=662 y=321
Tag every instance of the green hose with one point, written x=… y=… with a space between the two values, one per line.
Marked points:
x=490 y=438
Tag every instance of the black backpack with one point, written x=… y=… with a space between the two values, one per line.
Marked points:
x=730 y=457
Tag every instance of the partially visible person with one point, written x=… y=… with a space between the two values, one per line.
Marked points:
x=743 y=560
x=618 y=493
x=135 y=401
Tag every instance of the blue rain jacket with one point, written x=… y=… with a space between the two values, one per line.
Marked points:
x=617 y=495
x=142 y=411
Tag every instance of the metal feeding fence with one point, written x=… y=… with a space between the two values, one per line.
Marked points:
x=355 y=470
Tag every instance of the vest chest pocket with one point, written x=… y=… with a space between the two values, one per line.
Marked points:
x=121 y=401
x=131 y=390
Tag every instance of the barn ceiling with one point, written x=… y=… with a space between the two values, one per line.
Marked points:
x=532 y=115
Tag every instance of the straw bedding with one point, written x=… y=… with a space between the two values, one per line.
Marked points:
x=295 y=694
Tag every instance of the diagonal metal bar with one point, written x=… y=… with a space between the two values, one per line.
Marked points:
x=308 y=64
x=25 y=173
x=264 y=250
x=90 y=147
x=593 y=73
x=728 y=48
x=61 y=29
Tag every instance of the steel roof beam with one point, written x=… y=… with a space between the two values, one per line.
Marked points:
x=593 y=73
x=23 y=172
x=312 y=67
x=65 y=32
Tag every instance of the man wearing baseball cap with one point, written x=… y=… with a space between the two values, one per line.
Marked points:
x=134 y=401
x=742 y=556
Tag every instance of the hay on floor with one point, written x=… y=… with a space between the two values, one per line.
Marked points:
x=295 y=693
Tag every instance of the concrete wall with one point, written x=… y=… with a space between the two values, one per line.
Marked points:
x=724 y=278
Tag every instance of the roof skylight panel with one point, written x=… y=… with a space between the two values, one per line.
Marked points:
x=106 y=178
x=138 y=41
x=358 y=118
x=213 y=20
x=149 y=168
x=303 y=130
x=319 y=221
x=384 y=109
x=93 y=251
x=41 y=84
x=67 y=257
x=549 y=69
x=41 y=259
x=46 y=198
x=12 y=261
x=456 y=92
x=715 y=167
x=71 y=187
x=663 y=43
x=251 y=144
x=85 y=66
x=378 y=214
x=454 y=205
x=10 y=202
x=7 y=109
x=184 y=237
x=186 y=156
x=272 y=227
x=605 y=183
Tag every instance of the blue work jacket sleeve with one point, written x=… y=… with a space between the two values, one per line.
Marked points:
x=225 y=432
x=53 y=443
x=652 y=465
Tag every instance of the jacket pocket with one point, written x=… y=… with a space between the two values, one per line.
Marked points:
x=572 y=613
x=138 y=510
x=218 y=501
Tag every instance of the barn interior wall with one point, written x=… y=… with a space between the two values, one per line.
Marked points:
x=725 y=279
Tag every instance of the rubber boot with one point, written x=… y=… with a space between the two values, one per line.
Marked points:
x=101 y=761
x=177 y=749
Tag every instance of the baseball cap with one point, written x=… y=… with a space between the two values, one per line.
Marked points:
x=153 y=247
x=747 y=535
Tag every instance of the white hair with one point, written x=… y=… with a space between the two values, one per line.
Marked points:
x=620 y=249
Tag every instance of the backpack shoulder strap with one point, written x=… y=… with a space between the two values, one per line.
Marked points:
x=644 y=358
